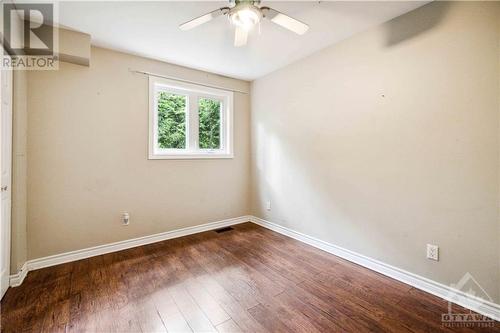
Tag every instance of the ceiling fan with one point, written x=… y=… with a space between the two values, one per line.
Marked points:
x=244 y=15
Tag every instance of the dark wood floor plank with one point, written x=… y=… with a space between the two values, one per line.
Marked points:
x=371 y=299
x=193 y=314
x=319 y=258
x=170 y=314
x=282 y=263
x=231 y=279
x=249 y=279
x=266 y=268
x=206 y=302
x=178 y=259
x=56 y=317
x=346 y=314
x=236 y=310
x=293 y=319
x=181 y=279
x=269 y=320
x=321 y=321
x=147 y=316
x=247 y=284
x=288 y=245
x=310 y=258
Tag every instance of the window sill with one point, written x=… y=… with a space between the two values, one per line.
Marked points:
x=190 y=156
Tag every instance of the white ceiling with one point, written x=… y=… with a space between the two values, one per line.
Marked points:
x=150 y=29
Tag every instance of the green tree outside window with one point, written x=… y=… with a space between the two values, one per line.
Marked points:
x=171 y=121
x=209 y=123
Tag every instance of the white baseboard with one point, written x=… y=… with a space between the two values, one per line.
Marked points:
x=18 y=278
x=479 y=305
x=30 y=265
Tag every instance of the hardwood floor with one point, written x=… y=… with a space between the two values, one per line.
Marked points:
x=249 y=279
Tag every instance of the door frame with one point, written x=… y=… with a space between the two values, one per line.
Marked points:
x=5 y=187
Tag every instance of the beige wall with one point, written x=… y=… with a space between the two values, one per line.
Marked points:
x=389 y=141
x=87 y=148
x=19 y=250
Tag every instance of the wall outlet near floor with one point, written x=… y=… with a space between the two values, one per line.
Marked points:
x=125 y=218
x=433 y=252
x=268 y=205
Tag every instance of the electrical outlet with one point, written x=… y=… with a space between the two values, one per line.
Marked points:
x=125 y=218
x=268 y=205
x=433 y=252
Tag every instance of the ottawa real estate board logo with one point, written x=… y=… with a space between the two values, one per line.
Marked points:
x=460 y=317
x=28 y=36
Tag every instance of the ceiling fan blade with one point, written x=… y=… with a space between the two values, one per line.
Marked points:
x=285 y=21
x=203 y=19
x=240 y=37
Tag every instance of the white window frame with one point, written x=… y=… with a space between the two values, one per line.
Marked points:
x=193 y=93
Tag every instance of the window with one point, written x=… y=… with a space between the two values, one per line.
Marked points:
x=189 y=121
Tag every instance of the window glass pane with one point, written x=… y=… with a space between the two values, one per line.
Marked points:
x=209 y=120
x=171 y=121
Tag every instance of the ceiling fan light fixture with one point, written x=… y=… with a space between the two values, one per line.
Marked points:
x=245 y=17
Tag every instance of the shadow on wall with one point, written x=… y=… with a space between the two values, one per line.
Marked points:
x=409 y=26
